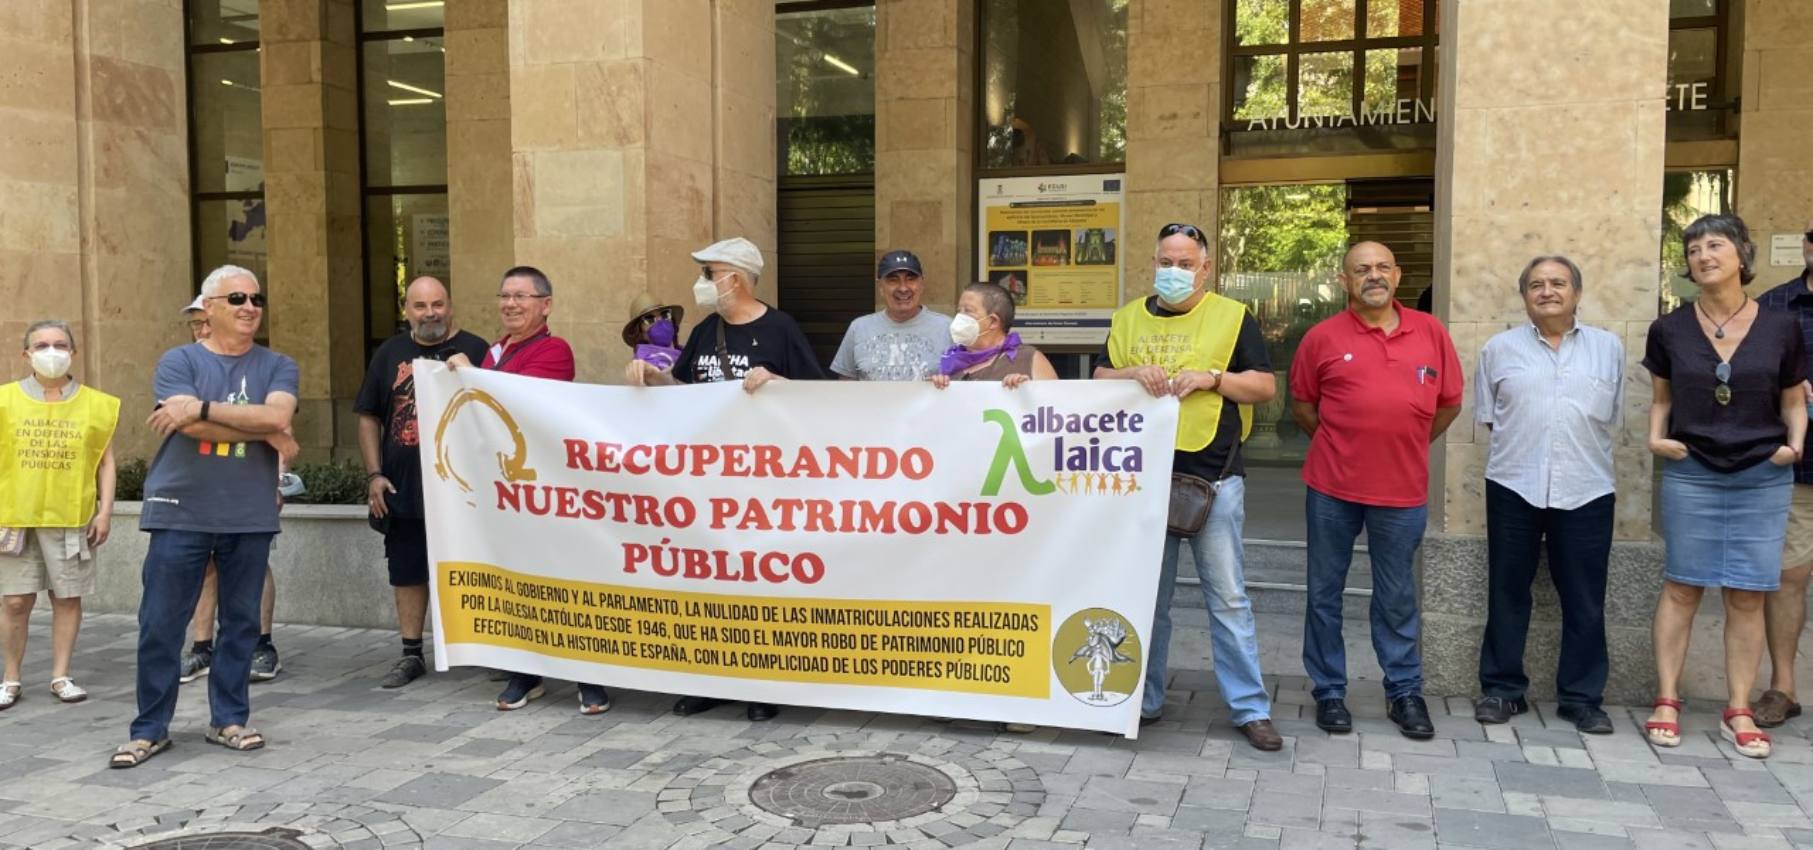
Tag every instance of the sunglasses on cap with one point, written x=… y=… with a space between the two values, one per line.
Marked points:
x=239 y=299
x=1189 y=230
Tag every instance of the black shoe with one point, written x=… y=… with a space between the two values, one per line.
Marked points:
x=1589 y=719
x=406 y=670
x=688 y=706
x=1332 y=716
x=760 y=711
x=1498 y=709
x=1411 y=715
x=1149 y=719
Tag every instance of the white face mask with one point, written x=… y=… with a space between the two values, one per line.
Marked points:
x=52 y=363
x=965 y=329
x=705 y=293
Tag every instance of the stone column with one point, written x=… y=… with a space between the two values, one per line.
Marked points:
x=314 y=261
x=1775 y=172
x=1173 y=126
x=925 y=139
x=1561 y=156
x=93 y=167
x=478 y=158
x=637 y=132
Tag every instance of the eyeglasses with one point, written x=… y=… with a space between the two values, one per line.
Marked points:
x=239 y=299
x=653 y=316
x=1189 y=230
x=197 y=324
x=513 y=297
x=1722 y=393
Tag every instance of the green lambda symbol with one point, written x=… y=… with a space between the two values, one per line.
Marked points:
x=1009 y=451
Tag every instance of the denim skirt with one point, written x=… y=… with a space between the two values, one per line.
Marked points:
x=1725 y=529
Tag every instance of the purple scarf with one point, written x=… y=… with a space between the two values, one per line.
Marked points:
x=958 y=358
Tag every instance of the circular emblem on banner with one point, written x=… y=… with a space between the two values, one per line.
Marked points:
x=1098 y=657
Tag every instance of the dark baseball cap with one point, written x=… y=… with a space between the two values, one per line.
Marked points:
x=894 y=261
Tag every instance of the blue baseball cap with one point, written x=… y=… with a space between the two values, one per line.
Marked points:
x=896 y=261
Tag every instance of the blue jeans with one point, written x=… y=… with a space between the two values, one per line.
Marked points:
x=1393 y=535
x=174 y=566
x=1220 y=563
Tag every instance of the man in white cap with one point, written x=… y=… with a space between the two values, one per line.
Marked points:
x=903 y=340
x=761 y=343
x=196 y=315
x=740 y=339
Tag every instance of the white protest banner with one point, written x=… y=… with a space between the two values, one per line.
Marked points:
x=972 y=552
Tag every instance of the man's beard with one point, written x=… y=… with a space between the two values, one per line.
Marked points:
x=431 y=331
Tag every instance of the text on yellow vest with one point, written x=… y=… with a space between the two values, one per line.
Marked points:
x=49 y=452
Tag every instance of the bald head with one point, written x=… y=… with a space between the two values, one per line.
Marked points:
x=425 y=287
x=429 y=310
x=1370 y=274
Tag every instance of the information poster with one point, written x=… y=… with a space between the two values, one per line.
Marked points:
x=1054 y=243
x=815 y=543
x=432 y=254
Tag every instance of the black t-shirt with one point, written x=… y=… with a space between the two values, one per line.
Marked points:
x=389 y=395
x=1736 y=436
x=773 y=341
x=1249 y=356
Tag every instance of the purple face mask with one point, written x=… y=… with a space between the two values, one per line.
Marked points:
x=661 y=333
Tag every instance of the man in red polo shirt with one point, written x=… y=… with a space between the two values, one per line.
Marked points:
x=524 y=300
x=1373 y=386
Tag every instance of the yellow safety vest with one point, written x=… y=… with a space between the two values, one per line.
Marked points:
x=1199 y=340
x=49 y=452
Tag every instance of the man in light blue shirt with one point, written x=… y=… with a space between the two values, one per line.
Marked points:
x=1549 y=393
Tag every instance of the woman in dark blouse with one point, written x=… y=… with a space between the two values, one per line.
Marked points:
x=1729 y=420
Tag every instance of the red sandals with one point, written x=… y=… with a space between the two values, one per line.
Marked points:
x=1755 y=745
x=1664 y=733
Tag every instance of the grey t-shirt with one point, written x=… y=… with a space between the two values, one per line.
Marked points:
x=216 y=488
x=877 y=348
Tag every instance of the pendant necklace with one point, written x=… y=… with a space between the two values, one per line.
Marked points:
x=1718 y=328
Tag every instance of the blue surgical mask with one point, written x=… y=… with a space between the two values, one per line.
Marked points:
x=1173 y=284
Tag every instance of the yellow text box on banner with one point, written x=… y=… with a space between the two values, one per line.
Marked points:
x=989 y=648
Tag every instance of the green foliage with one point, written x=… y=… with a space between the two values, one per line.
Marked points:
x=1686 y=195
x=830 y=144
x=129 y=481
x=1291 y=228
x=341 y=483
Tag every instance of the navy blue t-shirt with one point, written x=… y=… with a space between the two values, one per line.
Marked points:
x=216 y=488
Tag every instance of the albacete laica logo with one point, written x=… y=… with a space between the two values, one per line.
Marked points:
x=512 y=465
x=1085 y=455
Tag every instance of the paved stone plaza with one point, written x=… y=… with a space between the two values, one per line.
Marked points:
x=434 y=766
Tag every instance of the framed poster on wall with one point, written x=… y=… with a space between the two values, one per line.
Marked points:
x=1054 y=244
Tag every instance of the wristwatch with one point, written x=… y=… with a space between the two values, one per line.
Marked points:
x=1217 y=385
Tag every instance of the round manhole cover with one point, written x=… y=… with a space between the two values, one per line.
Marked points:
x=854 y=789
x=270 y=839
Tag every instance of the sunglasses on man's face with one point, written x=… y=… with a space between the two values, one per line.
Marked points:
x=1189 y=230
x=239 y=299
x=1809 y=235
